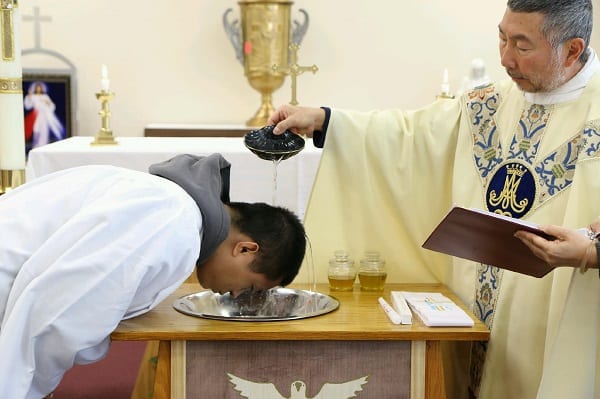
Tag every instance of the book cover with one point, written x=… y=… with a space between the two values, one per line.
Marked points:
x=488 y=238
x=436 y=310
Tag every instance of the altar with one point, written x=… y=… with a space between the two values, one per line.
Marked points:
x=198 y=130
x=252 y=179
x=355 y=345
x=195 y=130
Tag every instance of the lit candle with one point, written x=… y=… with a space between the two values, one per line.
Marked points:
x=445 y=84
x=12 y=130
x=105 y=82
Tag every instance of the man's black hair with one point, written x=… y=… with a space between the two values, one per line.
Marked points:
x=279 y=234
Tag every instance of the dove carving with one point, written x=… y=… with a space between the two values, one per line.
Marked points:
x=266 y=390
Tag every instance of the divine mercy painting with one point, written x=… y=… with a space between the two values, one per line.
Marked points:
x=46 y=102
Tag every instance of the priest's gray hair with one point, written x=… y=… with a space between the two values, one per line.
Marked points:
x=563 y=20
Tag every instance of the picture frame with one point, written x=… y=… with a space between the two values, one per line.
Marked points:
x=47 y=108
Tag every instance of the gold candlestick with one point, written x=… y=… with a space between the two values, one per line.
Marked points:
x=105 y=135
x=444 y=96
x=11 y=179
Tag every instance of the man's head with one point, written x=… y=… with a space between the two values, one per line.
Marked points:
x=544 y=43
x=265 y=248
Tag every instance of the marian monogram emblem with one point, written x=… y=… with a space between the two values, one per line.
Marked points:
x=511 y=190
x=261 y=390
x=517 y=180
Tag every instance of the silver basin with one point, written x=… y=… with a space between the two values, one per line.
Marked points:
x=270 y=305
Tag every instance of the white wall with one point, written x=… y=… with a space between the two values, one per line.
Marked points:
x=171 y=62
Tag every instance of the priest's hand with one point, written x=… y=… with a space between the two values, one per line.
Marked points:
x=569 y=248
x=299 y=120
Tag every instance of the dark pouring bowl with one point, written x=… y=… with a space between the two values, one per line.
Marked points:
x=273 y=147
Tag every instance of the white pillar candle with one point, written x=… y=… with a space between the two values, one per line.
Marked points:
x=445 y=84
x=12 y=129
x=105 y=82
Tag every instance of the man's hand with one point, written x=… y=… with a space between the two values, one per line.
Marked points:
x=568 y=248
x=299 y=120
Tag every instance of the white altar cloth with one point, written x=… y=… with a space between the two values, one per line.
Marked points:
x=252 y=179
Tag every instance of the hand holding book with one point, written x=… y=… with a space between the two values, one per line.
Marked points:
x=513 y=244
x=568 y=248
x=487 y=238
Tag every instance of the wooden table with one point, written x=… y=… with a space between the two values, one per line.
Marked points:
x=357 y=323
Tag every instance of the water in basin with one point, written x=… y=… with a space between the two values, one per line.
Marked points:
x=268 y=305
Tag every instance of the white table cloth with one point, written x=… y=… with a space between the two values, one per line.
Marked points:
x=252 y=179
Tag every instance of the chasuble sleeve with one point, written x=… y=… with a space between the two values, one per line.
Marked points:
x=390 y=172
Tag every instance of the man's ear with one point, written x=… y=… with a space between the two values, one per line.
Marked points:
x=243 y=247
x=575 y=47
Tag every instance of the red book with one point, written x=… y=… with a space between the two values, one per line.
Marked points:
x=487 y=238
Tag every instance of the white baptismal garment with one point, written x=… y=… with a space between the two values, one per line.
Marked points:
x=82 y=249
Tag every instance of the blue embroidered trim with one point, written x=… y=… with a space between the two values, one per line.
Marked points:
x=482 y=105
x=488 y=278
x=557 y=169
x=591 y=135
x=550 y=176
x=526 y=141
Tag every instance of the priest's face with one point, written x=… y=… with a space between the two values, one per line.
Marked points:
x=229 y=270
x=528 y=56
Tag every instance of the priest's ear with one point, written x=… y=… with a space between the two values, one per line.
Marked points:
x=575 y=47
x=245 y=247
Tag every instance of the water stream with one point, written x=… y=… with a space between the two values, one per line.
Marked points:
x=310 y=264
x=276 y=163
x=308 y=259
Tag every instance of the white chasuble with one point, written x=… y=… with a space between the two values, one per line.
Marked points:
x=82 y=249
x=387 y=178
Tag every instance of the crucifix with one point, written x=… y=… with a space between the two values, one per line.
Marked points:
x=8 y=33
x=294 y=70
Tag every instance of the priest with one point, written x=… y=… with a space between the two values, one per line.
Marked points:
x=527 y=147
x=86 y=247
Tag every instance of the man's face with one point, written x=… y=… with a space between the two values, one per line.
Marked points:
x=527 y=55
x=227 y=271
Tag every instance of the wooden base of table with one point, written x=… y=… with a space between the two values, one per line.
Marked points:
x=170 y=375
x=348 y=335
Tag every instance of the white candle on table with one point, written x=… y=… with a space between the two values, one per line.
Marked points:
x=445 y=84
x=12 y=129
x=105 y=81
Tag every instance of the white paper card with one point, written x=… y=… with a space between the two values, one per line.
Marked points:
x=436 y=310
x=399 y=303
